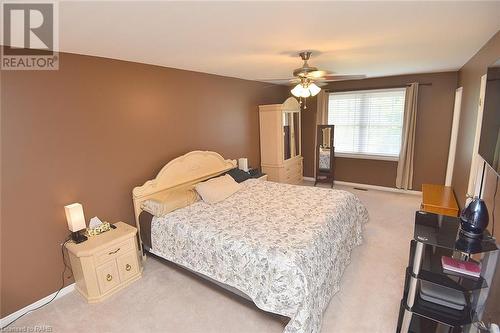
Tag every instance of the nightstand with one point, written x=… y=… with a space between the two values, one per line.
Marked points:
x=105 y=263
x=256 y=174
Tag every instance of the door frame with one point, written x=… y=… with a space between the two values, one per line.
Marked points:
x=477 y=162
x=454 y=135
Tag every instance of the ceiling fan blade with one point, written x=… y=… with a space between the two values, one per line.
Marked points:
x=318 y=74
x=279 y=81
x=341 y=77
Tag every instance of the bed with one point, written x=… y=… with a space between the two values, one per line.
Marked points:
x=283 y=246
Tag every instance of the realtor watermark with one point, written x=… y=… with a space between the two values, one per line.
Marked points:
x=30 y=35
x=29 y=329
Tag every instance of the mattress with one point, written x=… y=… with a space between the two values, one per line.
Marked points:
x=284 y=246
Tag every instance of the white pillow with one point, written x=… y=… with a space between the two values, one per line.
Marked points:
x=217 y=189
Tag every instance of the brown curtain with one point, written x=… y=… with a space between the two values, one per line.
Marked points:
x=404 y=177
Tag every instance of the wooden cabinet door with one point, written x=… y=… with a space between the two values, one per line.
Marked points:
x=127 y=265
x=107 y=276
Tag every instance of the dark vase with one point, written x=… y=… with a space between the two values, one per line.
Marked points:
x=474 y=218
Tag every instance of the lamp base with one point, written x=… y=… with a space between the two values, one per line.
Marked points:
x=78 y=237
x=471 y=234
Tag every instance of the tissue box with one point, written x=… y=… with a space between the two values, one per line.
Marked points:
x=105 y=226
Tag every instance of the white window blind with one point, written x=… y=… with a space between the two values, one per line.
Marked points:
x=367 y=122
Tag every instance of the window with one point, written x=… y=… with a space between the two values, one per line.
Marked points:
x=368 y=123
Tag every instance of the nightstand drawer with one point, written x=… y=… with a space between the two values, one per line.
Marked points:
x=127 y=265
x=107 y=276
x=113 y=252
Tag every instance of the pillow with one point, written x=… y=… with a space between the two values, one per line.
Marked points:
x=169 y=201
x=179 y=198
x=154 y=207
x=217 y=189
x=238 y=175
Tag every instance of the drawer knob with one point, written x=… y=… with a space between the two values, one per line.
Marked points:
x=113 y=252
x=128 y=267
x=109 y=277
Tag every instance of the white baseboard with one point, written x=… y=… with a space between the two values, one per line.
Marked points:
x=370 y=187
x=8 y=319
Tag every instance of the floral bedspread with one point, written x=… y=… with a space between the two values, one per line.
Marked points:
x=285 y=246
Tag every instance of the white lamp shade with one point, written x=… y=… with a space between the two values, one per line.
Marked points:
x=314 y=89
x=75 y=217
x=297 y=90
x=243 y=164
x=305 y=93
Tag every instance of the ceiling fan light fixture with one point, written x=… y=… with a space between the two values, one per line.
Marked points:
x=306 y=75
x=304 y=91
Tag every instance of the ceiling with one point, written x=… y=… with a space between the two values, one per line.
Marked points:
x=256 y=40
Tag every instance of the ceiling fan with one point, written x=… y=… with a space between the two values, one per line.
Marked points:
x=309 y=79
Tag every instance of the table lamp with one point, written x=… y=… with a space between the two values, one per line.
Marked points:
x=474 y=218
x=76 y=221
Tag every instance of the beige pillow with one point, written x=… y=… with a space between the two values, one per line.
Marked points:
x=170 y=201
x=217 y=189
x=154 y=207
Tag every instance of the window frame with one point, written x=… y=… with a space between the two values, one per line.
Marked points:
x=367 y=156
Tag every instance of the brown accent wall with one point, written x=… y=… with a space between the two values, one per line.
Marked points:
x=92 y=131
x=469 y=77
x=434 y=118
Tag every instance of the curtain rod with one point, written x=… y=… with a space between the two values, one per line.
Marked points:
x=375 y=88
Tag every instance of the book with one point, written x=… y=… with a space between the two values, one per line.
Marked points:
x=459 y=266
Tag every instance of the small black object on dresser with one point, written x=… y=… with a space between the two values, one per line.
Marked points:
x=442 y=301
x=256 y=173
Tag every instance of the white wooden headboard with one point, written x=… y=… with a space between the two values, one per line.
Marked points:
x=183 y=171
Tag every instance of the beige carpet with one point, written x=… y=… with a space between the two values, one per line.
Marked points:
x=168 y=299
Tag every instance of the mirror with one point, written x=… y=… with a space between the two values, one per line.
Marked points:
x=325 y=152
x=325 y=149
x=291 y=134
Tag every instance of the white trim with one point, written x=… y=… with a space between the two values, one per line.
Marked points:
x=378 y=188
x=370 y=187
x=476 y=160
x=345 y=92
x=64 y=291
x=453 y=136
x=368 y=157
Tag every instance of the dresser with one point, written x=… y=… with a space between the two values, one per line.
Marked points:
x=439 y=199
x=280 y=141
x=105 y=263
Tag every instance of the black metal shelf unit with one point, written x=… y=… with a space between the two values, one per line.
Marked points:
x=436 y=236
